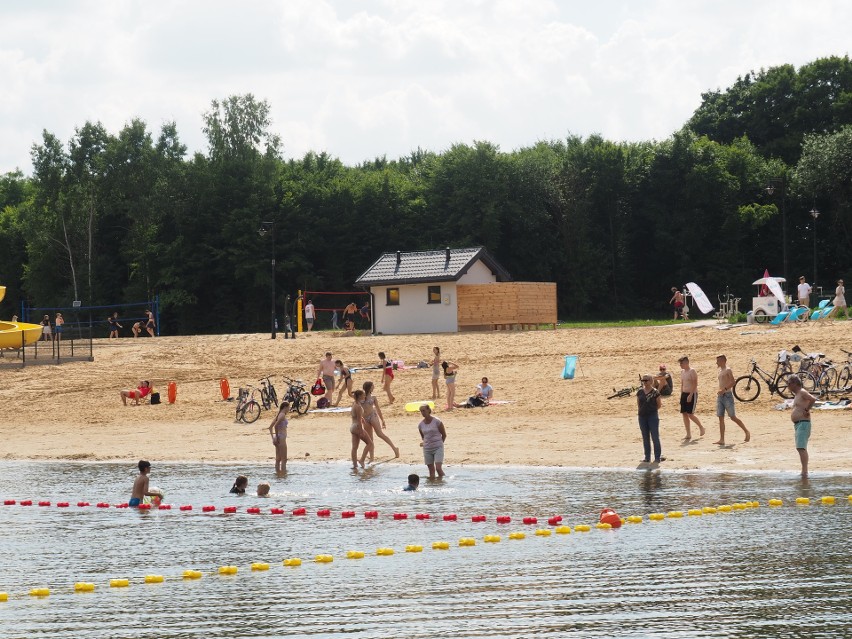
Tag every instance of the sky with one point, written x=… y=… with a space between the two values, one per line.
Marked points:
x=372 y=78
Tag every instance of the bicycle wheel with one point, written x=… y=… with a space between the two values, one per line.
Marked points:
x=807 y=380
x=303 y=403
x=746 y=388
x=827 y=381
x=844 y=379
x=251 y=412
x=273 y=396
x=264 y=399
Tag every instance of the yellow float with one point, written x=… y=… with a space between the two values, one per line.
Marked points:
x=635 y=519
x=520 y=535
x=755 y=504
x=384 y=552
x=724 y=508
x=603 y=526
x=84 y=586
x=562 y=530
x=192 y=574
x=119 y=583
x=414 y=548
x=259 y=566
x=154 y=579
x=355 y=554
x=675 y=514
x=491 y=539
x=803 y=501
x=582 y=528
x=440 y=545
x=323 y=559
x=542 y=532
x=227 y=570
x=295 y=561
x=467 y=541
x=4 y=596
x=828 y=500
x=708 y=510
x=40 y=592
x=738 y=506
x=694 y=512
x=656 y=516
x=776 y=502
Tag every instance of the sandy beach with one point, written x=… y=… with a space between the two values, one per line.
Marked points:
x=73 y=411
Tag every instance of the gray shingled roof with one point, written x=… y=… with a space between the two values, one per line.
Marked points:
x=428 y=266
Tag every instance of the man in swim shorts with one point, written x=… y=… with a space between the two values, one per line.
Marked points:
x=140 y=486
x=725 y=400
x=326 y=370
x=688 y=396
x=801 y=418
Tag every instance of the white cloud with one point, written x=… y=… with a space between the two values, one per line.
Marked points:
x=384 y=77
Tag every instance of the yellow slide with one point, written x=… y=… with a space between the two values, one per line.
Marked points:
x=11 y=333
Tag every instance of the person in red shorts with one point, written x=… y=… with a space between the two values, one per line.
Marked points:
x=142 y=391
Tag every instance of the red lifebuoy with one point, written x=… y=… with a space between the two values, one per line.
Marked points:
x=172 y=392
x=225 y=388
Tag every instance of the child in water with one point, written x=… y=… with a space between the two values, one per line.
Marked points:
x=263 y=489
x=413 y=482
x=140 y=486
x=240 y=484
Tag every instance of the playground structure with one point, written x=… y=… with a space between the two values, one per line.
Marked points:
x=17 y=334
x=728 y=306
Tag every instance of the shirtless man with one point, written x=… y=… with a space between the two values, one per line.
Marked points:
x=326 y=370
x=688 y=396
x=725 y=400
x=801 y=417
x=140 y=486
x=677 y=300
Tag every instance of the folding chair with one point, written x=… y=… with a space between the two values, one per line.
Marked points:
x=572 y=363
x=779 y=318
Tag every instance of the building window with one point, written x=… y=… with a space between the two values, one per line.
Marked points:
x=434 y=295
x=393 y=297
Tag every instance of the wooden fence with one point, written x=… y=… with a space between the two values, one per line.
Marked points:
x=506 y=305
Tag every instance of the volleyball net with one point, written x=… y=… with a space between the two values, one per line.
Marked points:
x=330 y=310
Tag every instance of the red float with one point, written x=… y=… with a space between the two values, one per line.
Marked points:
x=400 y=516
x=478 y=518
x=144 y=506
x=164 y=507
x=371 y=514
x=44 y=503
x=82 y=504
x=9 y=502
x=299 y=512
x=230 y=509
x=450 y=517
x=276 y=511
x=530 y=520
x=250 y=511
x=324 y=512
x=609 y=516
x=102 y=504
x=186 y=507
x=62 y=504
x=504 y=519
x=554 y=521
x=347 y=514
x=27 y=502
x=208 y=509
x=421 y=516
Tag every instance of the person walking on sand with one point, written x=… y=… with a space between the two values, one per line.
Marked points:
x=433 y=434
x=387 y=376
x=326 y=370
x=436 y=372
x=356 y=429
x=345 y=382
x=801 y=418
x=725 y=400
x=450 y=371
x=689 y=397
x=112 y=320
x=374 y=421
x=310 y=314
x=839 y=301
x=278 y=431
x=803 y=290
x=649 y=403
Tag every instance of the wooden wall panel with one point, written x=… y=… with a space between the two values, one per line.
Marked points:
x=506 y=303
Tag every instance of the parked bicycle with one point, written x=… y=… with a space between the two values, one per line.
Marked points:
x=268 y=396
x=844 y=379
x=248 y=408
x=297 y=394
x=747 y=387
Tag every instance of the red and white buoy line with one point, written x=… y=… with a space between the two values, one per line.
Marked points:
x=608 y=520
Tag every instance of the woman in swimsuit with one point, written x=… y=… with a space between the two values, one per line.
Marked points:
x=436 y=373
x=450 y=370
x=374 y=421
x=149 y=324
x=278 y=430
x=387 y=376
x=46 y=333
x=357 y=431
x=345 y=382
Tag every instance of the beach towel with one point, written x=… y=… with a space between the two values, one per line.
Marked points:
x=333 y=409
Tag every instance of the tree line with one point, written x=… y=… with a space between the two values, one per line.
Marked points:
x=112 y=217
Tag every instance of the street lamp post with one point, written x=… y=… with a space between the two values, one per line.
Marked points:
x=270 y=228
x=770 y=189
x=815 y=214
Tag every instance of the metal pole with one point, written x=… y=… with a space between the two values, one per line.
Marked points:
x=815 y=271
x=784 y=234
x=274 y=328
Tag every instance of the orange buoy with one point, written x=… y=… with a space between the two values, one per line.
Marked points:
x=609 y=516
x=225 y=387
x=172 y=392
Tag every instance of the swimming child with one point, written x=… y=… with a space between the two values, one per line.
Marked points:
x=278 y=430
x=413 y=482
x=263 y=489
x=140 y=486
x=240 y=484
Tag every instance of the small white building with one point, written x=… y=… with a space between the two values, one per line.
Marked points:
x=416 y=292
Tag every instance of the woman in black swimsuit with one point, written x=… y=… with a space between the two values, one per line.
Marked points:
x=149 y=324
x=345 y=382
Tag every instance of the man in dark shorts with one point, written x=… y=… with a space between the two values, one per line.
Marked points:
x=688 y=397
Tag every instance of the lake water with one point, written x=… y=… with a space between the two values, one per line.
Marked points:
x=765 y=572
